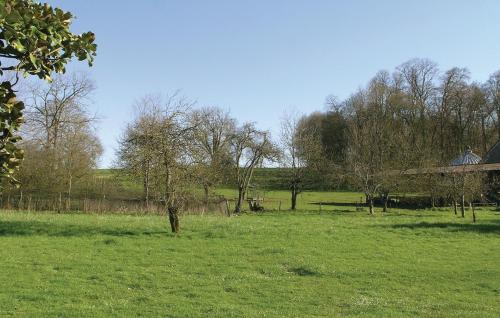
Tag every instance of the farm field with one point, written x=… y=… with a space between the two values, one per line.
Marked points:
x=335 y=263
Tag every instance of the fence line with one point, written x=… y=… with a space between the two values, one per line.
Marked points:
x=27 y=202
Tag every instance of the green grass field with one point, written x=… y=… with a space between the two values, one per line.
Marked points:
x=336 y=263
x=307 y=200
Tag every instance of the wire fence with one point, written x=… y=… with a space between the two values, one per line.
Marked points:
x=60 y=203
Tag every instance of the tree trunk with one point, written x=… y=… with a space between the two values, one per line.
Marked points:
x=370 y=205
x=473 y=214
x=241 y=194
x=206 y=190
x=462 y=207
x=455 y=206
x=294 y=198
x=146 y=188
x=386 y=202
x=70 y=186
x=173 y=216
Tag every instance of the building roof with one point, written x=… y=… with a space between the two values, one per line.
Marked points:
x=493 y=155
x=450 y=169
x=467 y=158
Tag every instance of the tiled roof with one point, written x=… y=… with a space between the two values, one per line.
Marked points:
x=468 y=158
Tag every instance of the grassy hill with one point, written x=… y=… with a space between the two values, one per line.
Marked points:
x=264 y=179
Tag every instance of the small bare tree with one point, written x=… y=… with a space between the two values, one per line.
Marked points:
x=160 y=138
x=465 y=187
x=249 y=148
x=301 y=150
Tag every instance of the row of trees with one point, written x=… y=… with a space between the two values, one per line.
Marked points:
x=59 y=140
x=173 y=148
x=59 y=144
x=413 y=118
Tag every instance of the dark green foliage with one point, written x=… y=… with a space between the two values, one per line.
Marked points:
x=38 y=38
x=11 y=118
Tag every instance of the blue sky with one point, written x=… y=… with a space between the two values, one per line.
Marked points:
x=258 y=58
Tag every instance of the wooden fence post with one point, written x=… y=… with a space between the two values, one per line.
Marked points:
x=227 y=208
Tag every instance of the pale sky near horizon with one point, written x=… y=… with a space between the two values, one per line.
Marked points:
x=258 y=58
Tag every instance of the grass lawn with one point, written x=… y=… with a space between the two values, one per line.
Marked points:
x=304 y=264
x=307 y=200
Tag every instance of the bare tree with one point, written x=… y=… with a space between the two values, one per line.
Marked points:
x=160 y=138
x=60 y=140
x=249 y=148
x=210 y=145
x=135 y=155
x=492 y=88
x=56 y=107
x=375 y=149
x=301 y=152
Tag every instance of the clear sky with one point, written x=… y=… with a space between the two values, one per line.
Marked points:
x=258 y=58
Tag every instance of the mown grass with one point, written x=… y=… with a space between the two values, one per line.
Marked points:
x=276 y=264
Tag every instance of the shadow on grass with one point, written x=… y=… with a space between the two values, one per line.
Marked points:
x=301 y=212
x=351 y=204
x=34 y=228
x=303 y=271
x=491 y=227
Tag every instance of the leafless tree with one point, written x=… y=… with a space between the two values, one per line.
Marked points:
x=249 y=148
x=492 y=88
x=59 y=136
x=300 y=152
x=210 y=145
x=54 y=108
x=157 y=144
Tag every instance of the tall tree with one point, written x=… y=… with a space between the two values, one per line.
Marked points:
x=59 y=137
x=301 y=152
x=492 y=87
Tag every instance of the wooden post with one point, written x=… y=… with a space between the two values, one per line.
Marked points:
x=20 y=204
x=279 y=207
x=473 y=213
x=462 y=206
x=228 y=211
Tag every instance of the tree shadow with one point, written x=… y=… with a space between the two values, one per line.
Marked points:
x=36 y=228
x=351 y=204
x=304 y=212
x=490 y=227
